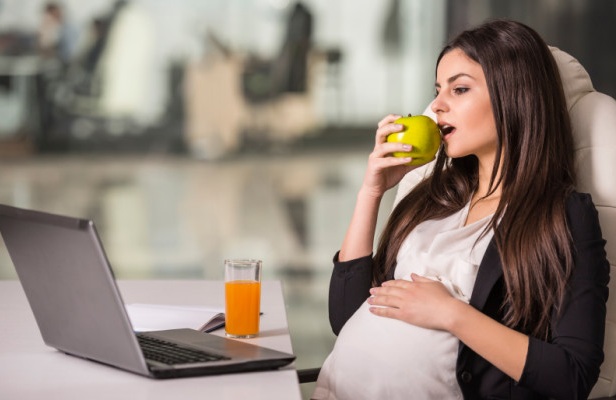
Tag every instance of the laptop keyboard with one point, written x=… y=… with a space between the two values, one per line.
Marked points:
x=172 y=353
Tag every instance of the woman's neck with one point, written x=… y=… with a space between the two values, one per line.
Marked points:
x=486 y=198
x=484 y=189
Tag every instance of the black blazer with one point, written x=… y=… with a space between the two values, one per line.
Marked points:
x=565 y=367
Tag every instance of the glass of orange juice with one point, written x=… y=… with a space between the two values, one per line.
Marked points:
x=242 y=298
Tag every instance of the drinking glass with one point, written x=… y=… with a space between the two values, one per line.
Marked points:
x=242 y=298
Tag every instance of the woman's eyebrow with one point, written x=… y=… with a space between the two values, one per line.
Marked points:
x=454 y=78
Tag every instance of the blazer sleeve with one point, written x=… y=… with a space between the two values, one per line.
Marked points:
x=567 y=367
x=348 y=288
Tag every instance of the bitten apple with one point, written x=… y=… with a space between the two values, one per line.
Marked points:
x=422 y=133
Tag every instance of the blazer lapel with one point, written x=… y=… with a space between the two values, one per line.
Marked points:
x=490 y=270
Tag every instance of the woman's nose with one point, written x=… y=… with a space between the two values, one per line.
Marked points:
x=438 y=105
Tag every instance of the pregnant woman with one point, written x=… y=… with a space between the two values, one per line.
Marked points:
x=490 y=277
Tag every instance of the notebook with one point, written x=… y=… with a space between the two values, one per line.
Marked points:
x=71 y=289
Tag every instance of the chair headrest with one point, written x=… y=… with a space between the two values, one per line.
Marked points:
x=576 y=81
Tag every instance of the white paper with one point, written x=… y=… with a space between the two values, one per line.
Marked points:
x=156 y=317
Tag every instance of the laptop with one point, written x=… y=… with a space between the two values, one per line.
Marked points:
x=70 y=286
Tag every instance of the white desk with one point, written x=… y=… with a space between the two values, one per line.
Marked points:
x=31 y=370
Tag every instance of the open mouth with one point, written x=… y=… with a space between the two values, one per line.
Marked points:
x=447 y=129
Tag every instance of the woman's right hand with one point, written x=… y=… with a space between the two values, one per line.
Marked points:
x=384 y=171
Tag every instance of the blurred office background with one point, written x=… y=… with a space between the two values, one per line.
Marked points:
x=197 y=130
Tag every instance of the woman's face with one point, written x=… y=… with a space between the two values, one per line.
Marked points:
x=463 y=109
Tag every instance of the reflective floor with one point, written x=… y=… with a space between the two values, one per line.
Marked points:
x=169 y=217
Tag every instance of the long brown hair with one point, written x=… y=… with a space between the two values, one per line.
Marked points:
x=537 y=175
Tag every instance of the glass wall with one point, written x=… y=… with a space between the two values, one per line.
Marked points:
x=210 y=77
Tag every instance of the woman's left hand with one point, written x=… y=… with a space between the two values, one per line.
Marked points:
x=423 y=302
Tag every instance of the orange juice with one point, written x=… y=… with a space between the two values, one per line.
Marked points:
x=242 y=308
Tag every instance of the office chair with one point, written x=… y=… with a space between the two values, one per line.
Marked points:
x=593 y=119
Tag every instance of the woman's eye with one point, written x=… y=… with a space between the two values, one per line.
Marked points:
x=460 y=90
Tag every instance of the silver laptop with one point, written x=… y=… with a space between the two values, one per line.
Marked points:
x=62 y=266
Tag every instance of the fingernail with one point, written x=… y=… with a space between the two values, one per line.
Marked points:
x=406 y=147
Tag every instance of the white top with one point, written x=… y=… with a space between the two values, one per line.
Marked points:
x=380 y=358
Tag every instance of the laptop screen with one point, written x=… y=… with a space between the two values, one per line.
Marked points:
x=70 y=286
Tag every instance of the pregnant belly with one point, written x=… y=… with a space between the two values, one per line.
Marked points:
x=377 y=357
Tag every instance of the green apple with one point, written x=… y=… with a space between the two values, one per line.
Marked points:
x=422 y=133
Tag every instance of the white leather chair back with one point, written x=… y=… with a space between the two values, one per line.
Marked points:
x=593 y=119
